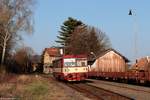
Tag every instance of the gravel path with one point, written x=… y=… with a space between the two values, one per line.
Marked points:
x=135 y=92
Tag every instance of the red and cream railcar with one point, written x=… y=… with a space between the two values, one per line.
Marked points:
x=71 y=68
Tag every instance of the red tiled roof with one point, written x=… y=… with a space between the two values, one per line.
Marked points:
x=142 y=63
x=53 y=52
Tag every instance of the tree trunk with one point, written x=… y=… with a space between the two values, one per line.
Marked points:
x=3 y=53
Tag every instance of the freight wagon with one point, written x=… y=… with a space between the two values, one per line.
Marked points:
x=137 y=77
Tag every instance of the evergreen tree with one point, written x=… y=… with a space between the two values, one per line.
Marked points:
x=66 y=30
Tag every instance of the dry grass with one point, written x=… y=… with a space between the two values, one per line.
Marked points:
x=24 y=87
x=31 y=87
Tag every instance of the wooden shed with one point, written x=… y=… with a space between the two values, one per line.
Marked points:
x=110 y=61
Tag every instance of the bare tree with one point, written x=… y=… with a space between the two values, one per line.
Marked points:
x=15 y=17
x=23 y=59
x=88 y=39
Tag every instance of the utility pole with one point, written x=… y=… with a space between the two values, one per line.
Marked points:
x=135 y=27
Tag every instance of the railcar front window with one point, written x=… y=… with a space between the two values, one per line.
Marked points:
x=79 y=62
x=69 y=63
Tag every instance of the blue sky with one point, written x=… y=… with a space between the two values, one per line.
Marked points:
x=111 y=16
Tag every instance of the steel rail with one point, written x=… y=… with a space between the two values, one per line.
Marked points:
x=123 y=87
x=97 y=93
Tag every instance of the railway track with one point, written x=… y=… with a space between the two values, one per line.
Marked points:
x=124 y=87
x=97 y=93
x=92 y=92
x=135 y=92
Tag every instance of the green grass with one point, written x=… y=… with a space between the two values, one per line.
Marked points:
x=30 y=87
x=36 y=90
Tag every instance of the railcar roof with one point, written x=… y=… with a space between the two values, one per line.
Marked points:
x=74 y=56
x=71 y=56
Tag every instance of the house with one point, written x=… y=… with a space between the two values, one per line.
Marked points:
x=110 y=61
x=49 y=55
x=143 y=64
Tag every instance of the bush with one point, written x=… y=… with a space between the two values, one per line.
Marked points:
x=2 y=69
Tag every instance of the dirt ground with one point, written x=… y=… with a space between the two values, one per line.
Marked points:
x=35 y=87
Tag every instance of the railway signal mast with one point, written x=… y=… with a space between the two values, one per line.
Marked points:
x=132 y=13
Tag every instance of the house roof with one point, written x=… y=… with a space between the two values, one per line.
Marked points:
x=53 y=52
x=142 y=63
x=102 y=54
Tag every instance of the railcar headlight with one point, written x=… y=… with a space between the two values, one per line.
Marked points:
x=67 y=70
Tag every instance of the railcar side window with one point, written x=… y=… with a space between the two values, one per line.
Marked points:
x=81 y=62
